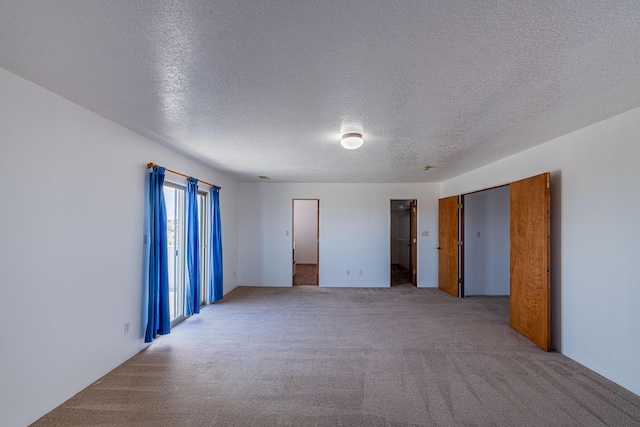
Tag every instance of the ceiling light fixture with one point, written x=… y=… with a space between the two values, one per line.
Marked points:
x=352 y=140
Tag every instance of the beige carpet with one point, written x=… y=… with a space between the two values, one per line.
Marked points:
x=309 y=356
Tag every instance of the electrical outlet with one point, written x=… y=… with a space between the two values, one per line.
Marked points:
x=126 y=328
x=425 y=234
x=348 y=272
x=360 y=273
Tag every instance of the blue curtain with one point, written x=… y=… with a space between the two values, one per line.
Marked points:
x=157 y=277
x=192 y=291
x=215 y=260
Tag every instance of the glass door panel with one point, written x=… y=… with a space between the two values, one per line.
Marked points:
x=174 y=200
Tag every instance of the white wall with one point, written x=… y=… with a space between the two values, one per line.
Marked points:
x=595 y=206
x=354 y=232
x=487 y=242
x=71 y=197
x=305 y=231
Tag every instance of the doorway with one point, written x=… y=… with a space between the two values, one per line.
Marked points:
x=403 y=244
x=305 y=242
x=529 y=253
x=486 y=243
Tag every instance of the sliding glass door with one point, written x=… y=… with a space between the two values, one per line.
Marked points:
x=175 y=202
x=174 y=196
x=203 y=228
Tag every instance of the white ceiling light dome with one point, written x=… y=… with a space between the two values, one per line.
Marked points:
x=352 y=140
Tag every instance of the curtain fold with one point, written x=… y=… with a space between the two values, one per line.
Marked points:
x=192 y=287
x=216 y=288
x=157 y=277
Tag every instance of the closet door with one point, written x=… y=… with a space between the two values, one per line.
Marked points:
x=530 y=259
x=448 y=245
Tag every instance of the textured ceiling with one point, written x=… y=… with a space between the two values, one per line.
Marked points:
x=265 y=88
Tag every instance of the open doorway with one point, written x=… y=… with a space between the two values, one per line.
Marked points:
x=529 y=254
x=305 y=247
x=404 y=266
x=486 y=243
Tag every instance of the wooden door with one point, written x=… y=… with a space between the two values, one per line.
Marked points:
x=530 y=259
x=448 y=245
x=413 y=236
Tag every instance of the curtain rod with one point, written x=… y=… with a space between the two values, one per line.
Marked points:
x=150 y=165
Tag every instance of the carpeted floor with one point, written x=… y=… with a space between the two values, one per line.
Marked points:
x=310 y=356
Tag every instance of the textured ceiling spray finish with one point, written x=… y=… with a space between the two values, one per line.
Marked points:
x=267 y=88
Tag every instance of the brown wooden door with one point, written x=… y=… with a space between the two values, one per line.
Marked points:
x=448 y=245
x=530 y=259
x=413 y=236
